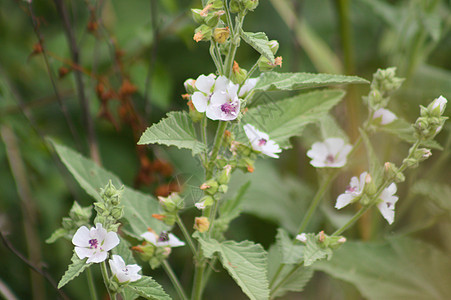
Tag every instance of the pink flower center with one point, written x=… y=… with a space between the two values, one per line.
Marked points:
x=330 y=158
x=164 y=237
x=351 y=189
x=228 y=108
x=94 y=243
x=262 y=142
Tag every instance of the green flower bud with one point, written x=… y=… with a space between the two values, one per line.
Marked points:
x=212 y=19
x=145 y=251
x=385 y=81
x=370 y=187
x=190 y=86
x=224 y=176
x=170 y=219
x=202 y=33
x=223 y=188
x=210 y=187
x=333 y=242
x=221 y=35
x=235 y=6
x=265 y=65
x=117 y=212
x=172 y=203
x=196 y=15
x=274 y=46
x=391 y=172
x=238 y=74
x=205 y=202
x=437 y=107
x=250 y=4
x=215 y=4
x=417 y=156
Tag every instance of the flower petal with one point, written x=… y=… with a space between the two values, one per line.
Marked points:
x=111 y=241
x=343 y=200
x=81 y=237
x=200 y=101
x=83 y=252
x=97 y=257
x=205 y=83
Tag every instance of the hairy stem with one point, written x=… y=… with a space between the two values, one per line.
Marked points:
x=186 y=235
x=91 y=285
x=175 y=282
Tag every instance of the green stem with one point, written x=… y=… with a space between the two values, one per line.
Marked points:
x=91 y=285
x=174 y=280
x=282 y=282
x=216 y=147
x=198 y=284
x=106 y=278
x=214 y=58
x=186 y=235
x=352 y=220
x=219 y=57
x=213 y=214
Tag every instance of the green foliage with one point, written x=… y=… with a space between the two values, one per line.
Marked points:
x=148 y=288
x=272 y=81
x=246 y=262
x=315 y=251
x=286 y=118
x=439 y=193
x=291 y=253
x=176 y=129
x=401 y=268
x=259 y=41
x=75 y=268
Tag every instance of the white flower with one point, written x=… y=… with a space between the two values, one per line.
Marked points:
x=206 y=86
x=224 y=103
x=200 y=205
x=387 y=206
x=260 y=141
x=441 y=103
x=94 y=243
x=302 y=237
x=163 y=240
x=124 y=273
x=331 y=153
x=354 y=190
x=385 y=116
x=248 y=85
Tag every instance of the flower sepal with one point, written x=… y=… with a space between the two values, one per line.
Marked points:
x=391 y=172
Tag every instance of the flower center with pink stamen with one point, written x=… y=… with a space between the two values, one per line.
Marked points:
x=262 y=142
x=330 y=158
x=351 y=189
x=164 y=237
x=94 y=243
x=228 y=108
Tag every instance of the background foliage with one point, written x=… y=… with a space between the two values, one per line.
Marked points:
x=133 y=59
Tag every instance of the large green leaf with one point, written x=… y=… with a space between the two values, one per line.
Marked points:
x=246 y=262
x=286 y=118
x=138 y=207
x=401 y=268
x=313 y=252
x=294 y=283
x=258 y=41
x=75 y=268
x=439 y=193
x=291 y=253
x=176 y=129
x=148 y=288
x=273 y=81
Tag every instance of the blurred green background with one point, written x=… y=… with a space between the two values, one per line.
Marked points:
x=133 y=59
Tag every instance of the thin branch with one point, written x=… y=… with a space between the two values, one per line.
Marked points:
x=87 y=119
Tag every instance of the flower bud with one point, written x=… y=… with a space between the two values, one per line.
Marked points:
x=391 y=172
x=201 y=224
x=274 y=46
x=212 y=19
x=196 y=15
x=202 y=33
x=225 y=175
x=437 y=107
x=172 y=203
x=221 y=34
x=145 y=251
x=265 y=65
x=385 y=81
x=238 y=74
x=235 y=6
x=223 y=188
x=215 y=4
x=205 y=202
x=370 y=187
x=190 y=85
x=250 y=4
x=210 y=187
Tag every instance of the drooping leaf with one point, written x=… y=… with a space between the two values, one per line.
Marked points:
x=138 y=207
x=401 y=268
x=75 y=268
x=176 y=129
x=148 y=288
x=286 y=118
x=295 y=283
x=246 y=262
x=258 y=41
x=272 y=81
x=291 y=253
x=314 y=252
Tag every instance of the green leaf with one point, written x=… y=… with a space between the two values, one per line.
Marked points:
x=75 y=268
x=272 y=81
x=375 y=168
x=232 y=208
x=402 y=268
x=148 y=288
x=246 y=262
x=314 y=252
x=438 y=192
x=295 y=283
x=176 y=129
x=258 y=41
x=57 y=234
x=404 y=131
x=138 y=207
x=291 y=253
x=286 y=118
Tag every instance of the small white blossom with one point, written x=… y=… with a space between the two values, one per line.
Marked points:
x=124 y=273
x=94 y=243
x=163 y=240
x=331 y=153
x=441 y=103
x=224 y=103
x=384 y=115
x=206 y=86
x=200 y=205
x=302 y=237
x=387 y=206
x=248 y=86
x=260 y=141
x=354 y=190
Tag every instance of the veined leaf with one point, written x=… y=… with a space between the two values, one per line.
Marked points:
x=138 y=207
x=438 y=192
x=402 y=268
x=286 y=118
x=313 y=252
x=75 y=268
x=258 y=41
x=176 y=129
x=246 y=262
x=291 y=253
x=295 y=283
x=148 y=288
x=375 y=167
x=273 y=81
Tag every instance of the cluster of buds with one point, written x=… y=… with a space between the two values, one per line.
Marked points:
x=211 y=25
x=431 y=119
x=109 y=209
x=264 y=64
x=391 y=172
x=171 y=206
x=384 y=84
x=323 y=240
x=242 y=6
x=218 y=184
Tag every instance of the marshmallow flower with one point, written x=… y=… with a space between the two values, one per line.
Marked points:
x=124 y=273
x=353 y=191
x=247 y=87
x=224 y=104
x=94 y=243
x=384 y=115
x=163 y=240
x=440 y=102
x=331 y=153
x=387 y=206
x=260 y=141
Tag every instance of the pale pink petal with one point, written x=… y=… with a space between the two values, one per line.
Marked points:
x=200 y=101
x=334 y=145
x=81 y=237
x=205 y=83
x=343 y=200
x=150 y=237
x=98 y=257
x=111 y=241
x=83 y=252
